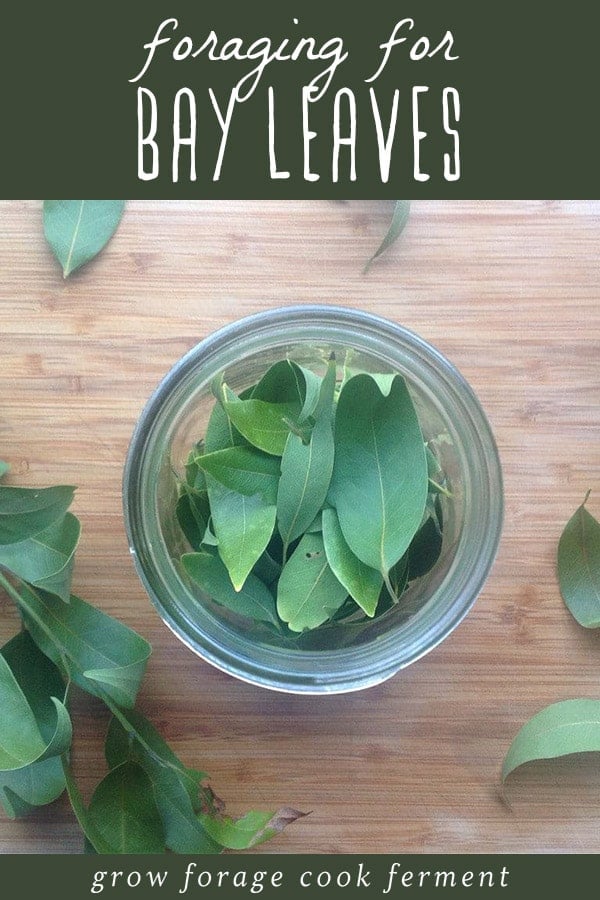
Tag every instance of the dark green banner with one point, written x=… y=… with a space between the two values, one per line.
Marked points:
x=318 y=876
x=418 y=98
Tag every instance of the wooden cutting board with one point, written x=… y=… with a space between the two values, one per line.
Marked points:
x=509 y=291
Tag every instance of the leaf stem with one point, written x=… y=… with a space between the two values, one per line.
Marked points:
x=21 y=602
x=440 y=487
x=390 y=587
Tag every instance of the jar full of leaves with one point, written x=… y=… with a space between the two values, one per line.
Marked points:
x=313 y=499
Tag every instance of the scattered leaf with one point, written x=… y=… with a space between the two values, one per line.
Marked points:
x=149 y=801
x=399 y=220
x=78 y=229
x=570 y=726
x=579 y=567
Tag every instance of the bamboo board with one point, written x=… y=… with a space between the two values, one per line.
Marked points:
x=509 y=291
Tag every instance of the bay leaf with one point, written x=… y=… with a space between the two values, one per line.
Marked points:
x=4 y=468
x=267 y=569
x=220 y=432
x=399 y=219
x=254 y=600
x=288 y=382
x=78 y=229
x=425 y=549
x=193 y=513
x=124 y=812
x=579 y=567
x=194 y=476
x=178 y=791
x=43 y=781
x=45 y=560
x=379 y=482
x=245 y=470
x=399 y=576
x=22 y=790
x=308 y=592
x=383 y=382
x=306 y=468
x=316 y=524
x=249 y=830
x=103 y=656
x=243 y=527
x=24 y=512
x=21 y=740
x=264 y=425
x=569 y=726
x=362 y=582
x=133 y=737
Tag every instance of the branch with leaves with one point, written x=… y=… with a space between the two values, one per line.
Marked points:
x=149 y=801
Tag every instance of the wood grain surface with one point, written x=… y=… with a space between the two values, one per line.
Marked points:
x=509 y=291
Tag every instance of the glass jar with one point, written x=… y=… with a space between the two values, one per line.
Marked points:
x=176 y=416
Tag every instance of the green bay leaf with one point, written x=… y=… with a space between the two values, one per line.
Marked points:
x=308 y=592
x=78 y=229
x=399 y=219
x=243 y=527
x=220 y=432
x=38 y=784
x=133 y=737
x=193 y=514
x=21 y=740
x=379 y=482
x=194 y=476
x=254 y=600
x=46 y=559
x=579 y=567
x=103 y=656
x=178 y=791
x=425 y=549
x=245 y=470
x=4 y=468
x=249 y=830
x=362 y=582
x=264 y=425
x=288 y=382
x=124 y=812
x=569 y=726
x=24 y=512
x=306 y=469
